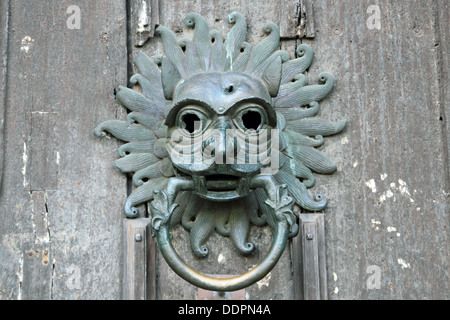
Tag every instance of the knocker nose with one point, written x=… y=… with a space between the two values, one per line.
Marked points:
x=223 y=146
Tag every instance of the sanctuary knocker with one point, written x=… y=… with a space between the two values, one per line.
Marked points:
x=222 y=135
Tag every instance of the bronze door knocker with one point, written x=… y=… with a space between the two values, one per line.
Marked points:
x=219 y=123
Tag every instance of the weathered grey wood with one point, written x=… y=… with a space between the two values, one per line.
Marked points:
x=144 y=15
x=309 y=259
x=388 y=202
x=282 y=12
x=45 y=158
x=139 y=260
x=36 y=274
x=36 y=265
x=4 y=23
x=60 y=85
x=442 y=20
x=306 y=27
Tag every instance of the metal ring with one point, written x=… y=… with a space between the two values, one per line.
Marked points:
x=162 y=208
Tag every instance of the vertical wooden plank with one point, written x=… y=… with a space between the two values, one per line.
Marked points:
x=310 y=265
x=61 y=80
x=306 y=26
x=144 y=16
x=37 y=267
x=288 y=17
x=139 y=260
x=36 y=282
x=391 y=187
x=4 y=35
x=141 y=21
x=442 y=41
x=282 y=12
x=321 y=244
x=309 y=259
x=44 y=157
x=134 y=256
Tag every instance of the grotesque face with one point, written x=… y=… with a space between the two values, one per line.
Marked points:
x=220 y=128
x=215 y=112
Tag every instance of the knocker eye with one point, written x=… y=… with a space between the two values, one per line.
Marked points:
x=192 y=122
x=251 y=118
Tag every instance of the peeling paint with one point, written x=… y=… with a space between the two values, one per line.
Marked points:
x=403 y=188
x=221 y=258
x=265 y=281
x=26 y=44
x=400 y=189
x=383 y=176
x=344 y=140
x=143 y=19
x=336 y=290
x=39 y=219
x=335 y=277
x=25 y=163
x=20 y=277
x=373 y=221
x=44 y=112
x=355 y=164
x=391 y=229
x=375 y=224
x=404 y=264
x=371 y=184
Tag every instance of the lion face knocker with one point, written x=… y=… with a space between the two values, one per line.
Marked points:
x=222 y=135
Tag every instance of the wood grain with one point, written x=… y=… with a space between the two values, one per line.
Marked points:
x=388 y=87
x=61 y=84
x=309 y=259
x=4 y=35
x=139 y=260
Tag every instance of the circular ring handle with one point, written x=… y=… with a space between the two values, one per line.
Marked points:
x=162 y=208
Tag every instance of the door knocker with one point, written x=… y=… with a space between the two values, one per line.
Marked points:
x=222 y=135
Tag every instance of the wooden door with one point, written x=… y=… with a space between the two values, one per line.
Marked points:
x=63 y=233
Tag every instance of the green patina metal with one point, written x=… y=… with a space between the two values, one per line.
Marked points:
x=190 y=140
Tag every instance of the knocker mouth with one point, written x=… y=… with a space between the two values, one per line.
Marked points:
x=221 y=182
x=218 y=181
x=221 y=187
